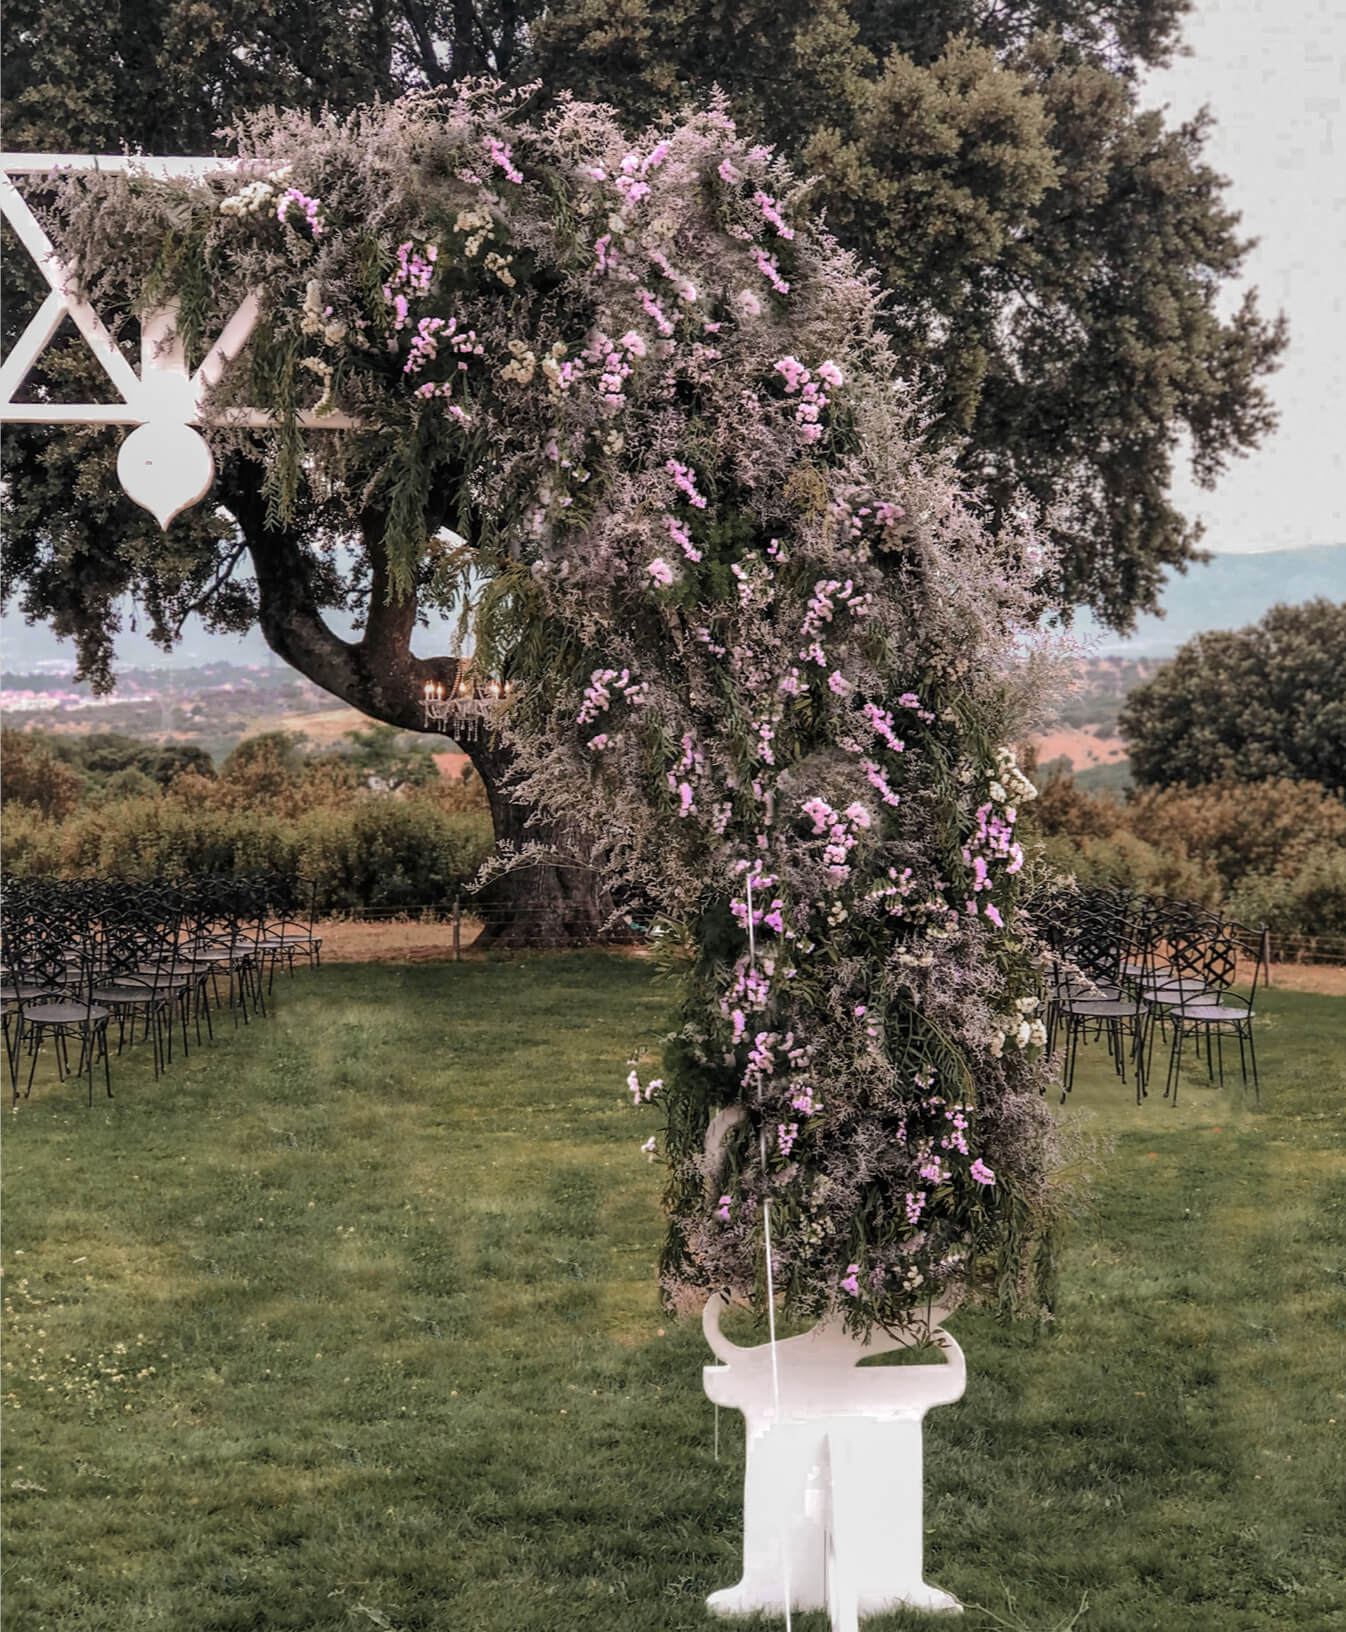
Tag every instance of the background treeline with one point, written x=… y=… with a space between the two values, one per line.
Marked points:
x=374 y=823
x=1270 y=852
x=1238 y=749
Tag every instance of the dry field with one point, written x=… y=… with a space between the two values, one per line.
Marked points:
x=1083 y=749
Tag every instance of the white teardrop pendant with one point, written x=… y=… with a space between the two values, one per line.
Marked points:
x=166 y=467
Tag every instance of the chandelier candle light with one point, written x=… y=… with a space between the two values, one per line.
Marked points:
x=463 y=714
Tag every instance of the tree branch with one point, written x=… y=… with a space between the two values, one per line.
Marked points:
x=377 y=674
x=224 y=571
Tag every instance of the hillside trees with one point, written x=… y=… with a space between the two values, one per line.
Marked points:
x=1249 y=704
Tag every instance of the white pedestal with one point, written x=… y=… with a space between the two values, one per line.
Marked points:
x=832 y=1494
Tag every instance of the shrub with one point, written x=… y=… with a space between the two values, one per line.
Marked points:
x=1062 y=807
x=1127 y=862
x=1311 y=902
x=34 y=776
x=1271 y=828
x=364 y=850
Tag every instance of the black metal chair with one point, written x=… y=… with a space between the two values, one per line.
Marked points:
x=1219 y=1011
x=66 y=1009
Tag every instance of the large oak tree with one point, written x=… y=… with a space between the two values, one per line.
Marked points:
x=1055 y=255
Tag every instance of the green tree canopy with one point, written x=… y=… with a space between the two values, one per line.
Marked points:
x=1058 y=259
x=1265 y=701
x=1055 y=253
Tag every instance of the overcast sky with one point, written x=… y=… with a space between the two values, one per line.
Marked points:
x=1273 y=72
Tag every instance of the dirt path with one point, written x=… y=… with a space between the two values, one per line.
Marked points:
x=385 y=942
x=389 y=942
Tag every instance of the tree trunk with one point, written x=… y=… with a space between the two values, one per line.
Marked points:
x=541 y=904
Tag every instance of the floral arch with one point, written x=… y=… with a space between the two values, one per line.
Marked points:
x=758 y=646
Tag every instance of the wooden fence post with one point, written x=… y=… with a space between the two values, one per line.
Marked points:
x=457 y=929
x=1265 y=952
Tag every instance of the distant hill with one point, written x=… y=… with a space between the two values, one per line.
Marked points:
x=1227 y=592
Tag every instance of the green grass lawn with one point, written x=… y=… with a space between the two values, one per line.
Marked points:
x=350 y=1322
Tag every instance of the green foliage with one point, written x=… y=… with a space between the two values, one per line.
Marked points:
x=100 y=755
x=1266 y=852
x=1054 y=251
x=1273 y=828
x=385 y=759
x=31 y=774
x=1311 y=901
x=268 y=810
x=1057 y=256
x=1265 y=701
x=1127 y=862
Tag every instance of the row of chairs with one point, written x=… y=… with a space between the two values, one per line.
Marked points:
x=1128 y=968
x=84 y=959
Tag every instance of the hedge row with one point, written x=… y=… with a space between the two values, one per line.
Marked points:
x=371 y=851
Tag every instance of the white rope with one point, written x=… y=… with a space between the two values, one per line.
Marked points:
x=770 y=1271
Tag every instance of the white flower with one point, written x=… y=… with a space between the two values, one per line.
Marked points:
x=1037 y=1034
x=1023 y=1034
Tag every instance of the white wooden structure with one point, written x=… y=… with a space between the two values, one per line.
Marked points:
x=832 y=1492
x=164 y=464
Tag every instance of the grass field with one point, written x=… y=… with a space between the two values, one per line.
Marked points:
x=350 y=1322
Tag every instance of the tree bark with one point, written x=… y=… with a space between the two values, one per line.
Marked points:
x=540 y=904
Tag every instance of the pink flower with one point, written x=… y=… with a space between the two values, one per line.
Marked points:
x=851 y=1282
x=684 y=479
x=722 y=1209
x=771 y=212
x=660 y=571
x=766 y=265
x=981 y=1173
x=500 y=154
x=993 y=913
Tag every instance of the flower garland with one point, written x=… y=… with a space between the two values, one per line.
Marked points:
x=770 y=643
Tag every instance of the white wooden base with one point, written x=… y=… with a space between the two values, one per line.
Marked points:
x=832 y=1498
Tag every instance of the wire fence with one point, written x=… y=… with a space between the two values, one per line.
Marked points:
x=478 y=925
x=1328 y=949
x=473 y=923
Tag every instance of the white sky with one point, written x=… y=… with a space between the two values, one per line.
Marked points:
x=1273 y=73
